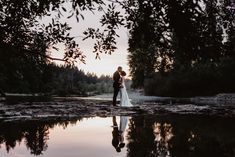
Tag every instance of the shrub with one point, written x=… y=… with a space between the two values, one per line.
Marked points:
x=202 y=79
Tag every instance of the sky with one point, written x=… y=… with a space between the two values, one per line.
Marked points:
x=108 y=64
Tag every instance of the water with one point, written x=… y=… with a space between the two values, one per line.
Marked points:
x=138 y=136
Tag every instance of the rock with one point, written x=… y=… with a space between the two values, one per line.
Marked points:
x=53 y=110
x=226 y=98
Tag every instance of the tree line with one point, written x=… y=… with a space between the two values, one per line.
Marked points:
x=53 y=79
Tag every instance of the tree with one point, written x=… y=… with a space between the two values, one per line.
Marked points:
x=181 y=34
x=25 y=43
x=148 y=39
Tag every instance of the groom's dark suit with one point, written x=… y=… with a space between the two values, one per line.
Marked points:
x=116 y=86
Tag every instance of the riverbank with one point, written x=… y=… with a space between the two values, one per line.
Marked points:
x=92 y=108
x=101 y=105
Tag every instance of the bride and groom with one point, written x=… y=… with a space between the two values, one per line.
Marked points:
x=119 y=86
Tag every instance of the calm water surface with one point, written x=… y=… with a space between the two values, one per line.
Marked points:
x=139 y=136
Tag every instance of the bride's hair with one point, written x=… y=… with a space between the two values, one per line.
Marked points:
x=123 y=73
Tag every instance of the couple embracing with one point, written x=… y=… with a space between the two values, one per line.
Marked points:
x=119 y=86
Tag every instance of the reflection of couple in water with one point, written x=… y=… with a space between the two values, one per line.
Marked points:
x=118 y=133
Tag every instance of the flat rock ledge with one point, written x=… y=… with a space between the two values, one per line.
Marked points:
x=78 y=109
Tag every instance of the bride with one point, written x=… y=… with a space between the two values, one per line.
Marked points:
x=124 y=98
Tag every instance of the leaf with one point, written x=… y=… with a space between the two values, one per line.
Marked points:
x=63 y=8
x=77 y=18
x=85 y=33
x=70 y=15
x=82 y=16
x=55 y=48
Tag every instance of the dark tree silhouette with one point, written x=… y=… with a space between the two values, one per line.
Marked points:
x=180 y=40
x=25 y=42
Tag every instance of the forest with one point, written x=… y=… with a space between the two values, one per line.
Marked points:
x=182 y=48
x=58 y=80
x=176 y=48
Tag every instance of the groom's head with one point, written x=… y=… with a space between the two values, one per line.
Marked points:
x=119 y=69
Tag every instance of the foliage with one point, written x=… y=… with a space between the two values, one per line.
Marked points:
x=203 y=79
x=25 y=45
x=20 y=26
x=69 y=80
x=20 y=29
x=181 y=42
x=148 y=39
x=58 y=80
x=106 y=39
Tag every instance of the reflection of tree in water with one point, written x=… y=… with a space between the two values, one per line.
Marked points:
x=35 y=134
x=140 y=138
x=149 y=138
x=10 y=136
x=163 y=136
x=36 y=138
x=181 y=136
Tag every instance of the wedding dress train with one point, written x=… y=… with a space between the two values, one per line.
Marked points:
x=124 y=98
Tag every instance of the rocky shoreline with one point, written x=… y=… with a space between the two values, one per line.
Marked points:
x=92 y=108
x=72 y=107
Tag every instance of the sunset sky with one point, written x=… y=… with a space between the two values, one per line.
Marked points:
x=108 y=63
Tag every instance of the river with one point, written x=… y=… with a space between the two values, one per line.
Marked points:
x=120 y=136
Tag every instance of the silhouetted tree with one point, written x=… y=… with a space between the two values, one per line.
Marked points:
x=25 y=42
x=180 y=37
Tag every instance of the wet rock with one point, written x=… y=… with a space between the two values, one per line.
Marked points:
x=41 y=110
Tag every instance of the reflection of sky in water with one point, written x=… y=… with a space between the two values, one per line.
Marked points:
x=146 y=136
x=88 y=138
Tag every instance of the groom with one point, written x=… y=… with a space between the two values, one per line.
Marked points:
x=116 y=84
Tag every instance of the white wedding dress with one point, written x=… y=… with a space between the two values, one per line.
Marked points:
x=124 y=98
